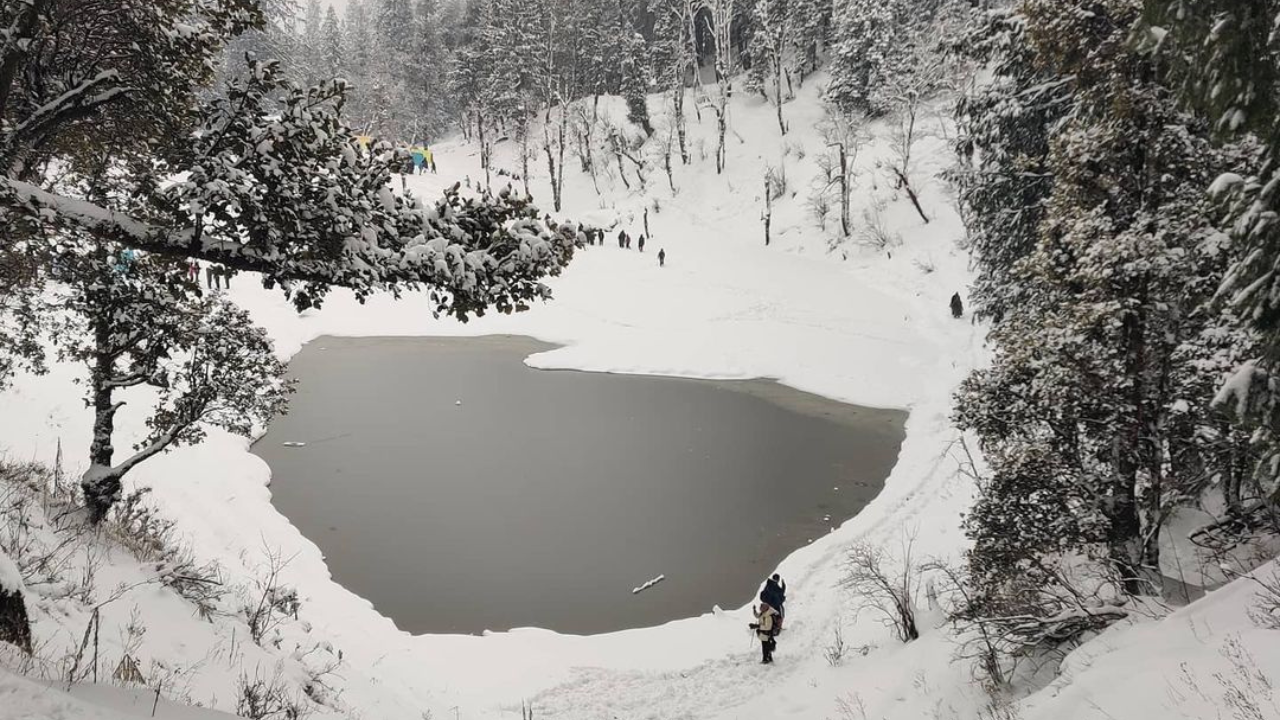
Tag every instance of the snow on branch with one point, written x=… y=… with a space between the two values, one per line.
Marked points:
x=287 y=191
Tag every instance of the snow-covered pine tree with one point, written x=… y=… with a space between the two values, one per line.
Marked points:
x=810 y=22
x=1094 y=414
x=331 y=58
x=1224 y=55
x=868 y=36
x=310 y=47
x=635 y=81
x=357 y=49
x=274 y=38
x=1002 y=177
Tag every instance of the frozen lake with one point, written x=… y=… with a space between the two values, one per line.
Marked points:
x=545 y=497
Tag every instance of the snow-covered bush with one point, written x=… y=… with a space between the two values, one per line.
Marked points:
x=269 y=698
x=1266 y=608
x=268 y=603
x=875 y=231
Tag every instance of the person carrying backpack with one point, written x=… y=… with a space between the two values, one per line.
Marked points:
x=775 y=592
x=766 y=627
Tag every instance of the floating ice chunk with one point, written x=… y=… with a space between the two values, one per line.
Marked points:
x=648 y=585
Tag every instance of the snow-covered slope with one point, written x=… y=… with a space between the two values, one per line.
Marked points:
x=28 y=700
x=847 y=321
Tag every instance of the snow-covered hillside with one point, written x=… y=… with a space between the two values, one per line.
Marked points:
x=844 y=319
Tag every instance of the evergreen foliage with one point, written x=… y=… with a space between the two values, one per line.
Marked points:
x=1084 y=184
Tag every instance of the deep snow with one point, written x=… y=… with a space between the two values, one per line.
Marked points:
x=857 y=324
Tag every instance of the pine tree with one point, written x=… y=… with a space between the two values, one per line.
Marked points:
x=310 y=45
x=635 y=81
x=1094 y=412
x=810 y=21
x=331 y=57
x=1003 y=178
x=869 y=35
x=1224 y=56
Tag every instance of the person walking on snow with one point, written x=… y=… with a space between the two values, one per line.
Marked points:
x=662 y=257
x=622 y=238
x=642 y=242
x=775 y=593
x=766 y=629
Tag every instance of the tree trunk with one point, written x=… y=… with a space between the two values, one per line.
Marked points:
x=617 y=153
x=524 y=153
x=678 y=115
x=484 y=150
x=777 y=91
x=666 y=163
x=911 y=193
x=551 y=169
x=564 y=130
x=15 y=626
x=768 y=208
x=101 y=486
x=844 y=191
x=720 y=130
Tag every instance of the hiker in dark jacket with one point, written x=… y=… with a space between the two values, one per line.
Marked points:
x=622 y=238
x=642 y=242
x=775 y=593
x=957 y=306
x=662 y=257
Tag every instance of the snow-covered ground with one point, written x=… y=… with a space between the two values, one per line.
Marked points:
x=858 y=324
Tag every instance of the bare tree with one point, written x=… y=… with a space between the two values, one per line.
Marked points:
x=774 y=35
x=271 y=602
x=845 y=136
x=554 y=147
x=720 y=25
x=885 y=586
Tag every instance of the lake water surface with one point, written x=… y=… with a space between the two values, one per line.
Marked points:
x=545 y=497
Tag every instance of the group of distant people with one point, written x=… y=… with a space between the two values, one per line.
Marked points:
x=216 y=277
x=595 y=236
x=423 y=160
